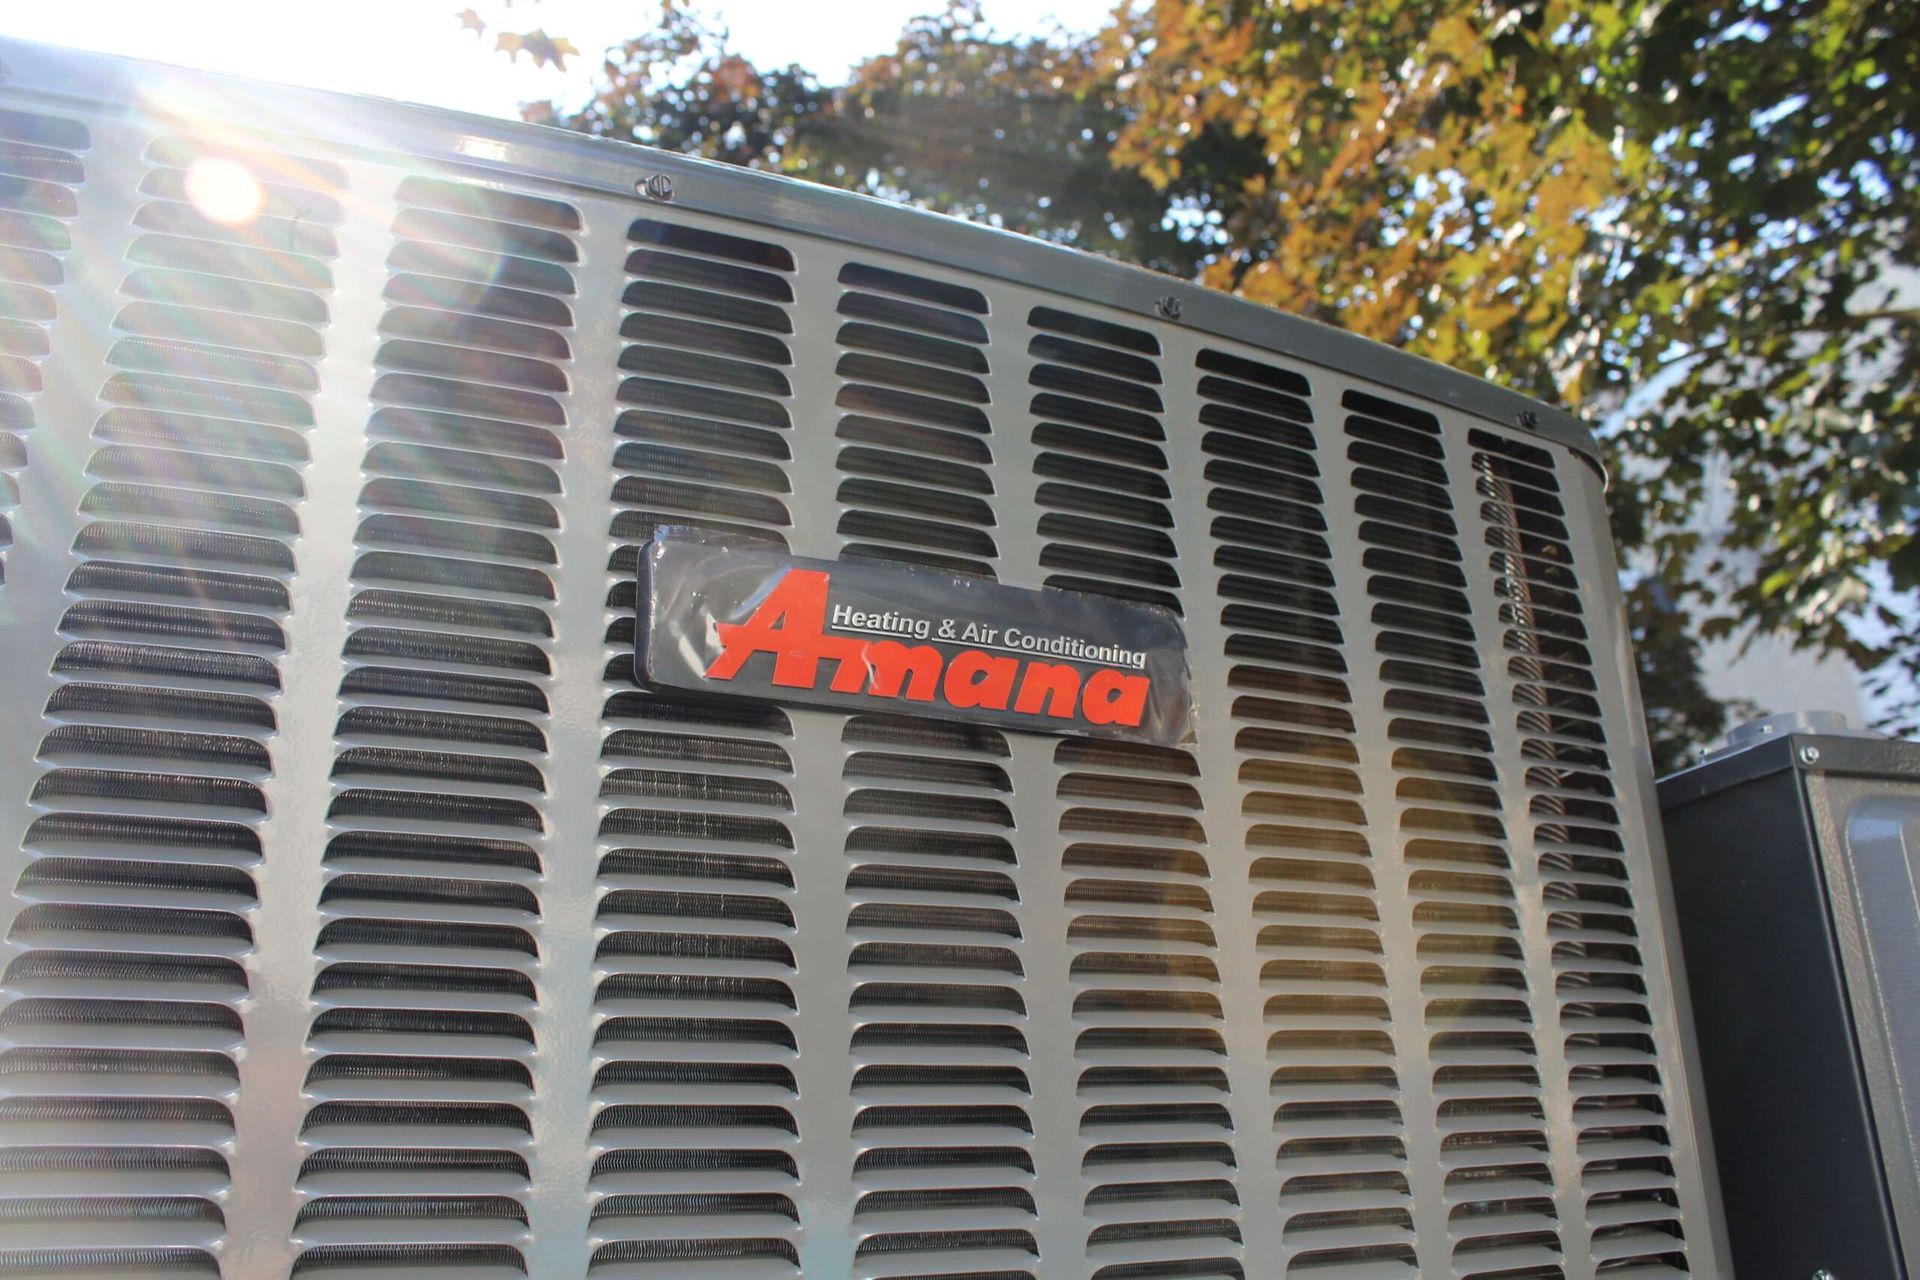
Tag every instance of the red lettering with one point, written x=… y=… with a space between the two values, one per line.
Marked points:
x=976 y=679
x=789 y=625
x=1112 y=698
x=894 y=664
x=1051 y=685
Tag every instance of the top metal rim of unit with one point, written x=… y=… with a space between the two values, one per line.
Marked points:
x=51 y=76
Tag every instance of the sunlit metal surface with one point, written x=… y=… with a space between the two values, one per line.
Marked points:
x=368 y=919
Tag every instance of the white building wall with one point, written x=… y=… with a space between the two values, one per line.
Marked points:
x=1766 y=671
x=1775 y=677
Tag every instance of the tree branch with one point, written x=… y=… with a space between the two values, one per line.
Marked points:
x=1853 y=321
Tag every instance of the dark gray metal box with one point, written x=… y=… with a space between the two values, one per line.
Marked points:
x=1795 y=863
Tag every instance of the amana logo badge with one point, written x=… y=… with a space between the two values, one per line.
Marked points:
x=726 y=618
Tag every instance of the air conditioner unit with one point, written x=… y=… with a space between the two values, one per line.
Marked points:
x=370 y=915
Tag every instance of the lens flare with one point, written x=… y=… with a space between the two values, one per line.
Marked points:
x=224 y=191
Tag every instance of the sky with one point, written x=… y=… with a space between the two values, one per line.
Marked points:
x=416 y=50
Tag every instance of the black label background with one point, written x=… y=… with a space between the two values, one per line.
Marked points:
x=689 y=584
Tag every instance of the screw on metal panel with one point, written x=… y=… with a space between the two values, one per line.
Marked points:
x=1529 y=419
x=1811 y=755
x=1822 y=1273
x=1168 y=307
x=656 y=187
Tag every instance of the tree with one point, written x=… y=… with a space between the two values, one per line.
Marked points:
x=1710 y=199
x=1682 y=716
x=1014 y=133
x=540 y=48
x=1773 y=283
x=1703 y=201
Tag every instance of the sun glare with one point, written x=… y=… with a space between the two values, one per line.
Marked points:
x=224 y=191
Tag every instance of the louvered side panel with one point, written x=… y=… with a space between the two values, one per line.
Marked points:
x=1474 y=974
x=424 y=1032
x=705 y=388
x=128 y=988
x=942 y=1133
x=371 y=919
x=1616 y=1093
x=1332 y=1050
x=695 y=1132
x=941 y=1125
x=41 y=172
x=1156 y=1142
x=914 y=447
x=1105 y=523
x=1156 y=1134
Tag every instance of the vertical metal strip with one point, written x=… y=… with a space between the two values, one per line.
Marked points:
x=270 y=1105
x=1250 y=1098
x=820 y=945
x=1058 y=1188
x=561 y=1107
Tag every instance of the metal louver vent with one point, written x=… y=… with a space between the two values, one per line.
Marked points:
x=1454 y=846
x=1613 y=1062
x=1157 y=1141
x=695 y=1123
x=1335 y=1081
x=941 y=1125
x=705 y=418
x=40 y=173
x=369 y=918
x=424 y=1030
x=1098 y=436
x=915 y=432
x=128 y=978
